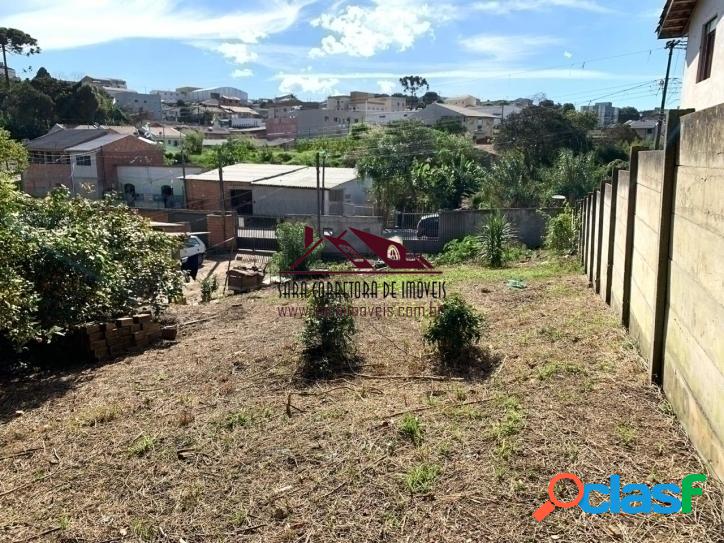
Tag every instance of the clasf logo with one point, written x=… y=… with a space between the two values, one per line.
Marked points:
x=636 y=498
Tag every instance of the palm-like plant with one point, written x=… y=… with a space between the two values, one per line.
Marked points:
x=494 y=239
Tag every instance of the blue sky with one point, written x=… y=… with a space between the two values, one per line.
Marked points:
x=488 y=48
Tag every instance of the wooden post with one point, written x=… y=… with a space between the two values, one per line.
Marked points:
x=630 y=229
x=668 y=191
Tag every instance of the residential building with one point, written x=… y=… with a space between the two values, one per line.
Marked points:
x=11 y=72
x=154 y=187
x=242 y=117
x=314 y=123
x=147 y=106
x=697 y=20
x=199 y=95
x=606 y=114
x=278 y=190
x=106 y=83
x=84 y=160
x=387 y=117
x=366 y=101
x=169 y=136
x=463 y=101
x=477 y=124
x=645 y=129
x=287 y=106
x=170 y=96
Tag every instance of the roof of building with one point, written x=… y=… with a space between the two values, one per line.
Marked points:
x=279 y=175
x=60 y=140
x=464 y=97
x=127 y=130
x=466 y=111
x=164 y=132
x=674 y=21
x=96 y=143
x=644 y=123
x=240 y=110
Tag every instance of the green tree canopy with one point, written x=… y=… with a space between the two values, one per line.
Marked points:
x=538 y=132
x=16 y=42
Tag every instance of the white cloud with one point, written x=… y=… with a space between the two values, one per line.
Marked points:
x=387 y=87
x=508 y=6
x=238 y=52
x=64 y=24
x=310 y=84
x=240 y=73
x=364 y=31
x=567 y=54
x=506 y=47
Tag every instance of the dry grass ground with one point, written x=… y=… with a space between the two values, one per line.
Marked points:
x=215 y=438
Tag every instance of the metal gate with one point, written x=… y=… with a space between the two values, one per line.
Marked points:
x=257 y=233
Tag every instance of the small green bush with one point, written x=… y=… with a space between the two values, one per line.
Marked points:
x=455 y=329
x=290 y=237
x=460 y=250
x=328 y=335
x=495 y=239
x=208 y=287
x=562 y=232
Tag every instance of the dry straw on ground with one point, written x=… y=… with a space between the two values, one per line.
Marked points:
x=216 y=439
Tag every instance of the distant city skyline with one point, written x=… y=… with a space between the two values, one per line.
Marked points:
x=578 y=51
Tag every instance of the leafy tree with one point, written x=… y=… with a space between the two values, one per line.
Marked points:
x=388 y=156
x=508 y=183
x=538 y=132
x=411 y=84
x=13 y=156
x=193 y=142
x=628 y=113
x=445 y=185
x=430 y=97
x=26 y=112
x=67 y=261
x=16 y=42
x=572 y=176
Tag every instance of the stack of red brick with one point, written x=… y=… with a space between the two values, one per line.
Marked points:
x=111 y=339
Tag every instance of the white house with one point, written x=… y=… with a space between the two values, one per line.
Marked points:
x=697 y=20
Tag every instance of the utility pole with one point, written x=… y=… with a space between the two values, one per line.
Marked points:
x=319 y=209
x=324 y=169
x=222 y=197
x=670 y=45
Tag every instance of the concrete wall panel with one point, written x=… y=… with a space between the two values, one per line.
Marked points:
x=605 y=238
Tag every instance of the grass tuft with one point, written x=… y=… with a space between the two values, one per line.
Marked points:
x=411 y=428
x=141 y=445
x=552 y=369
x=420 y=479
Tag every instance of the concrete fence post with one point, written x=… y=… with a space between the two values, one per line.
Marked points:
x=599 y=237
x=582 y=225
x=663 y=248
x=592 y=238
x=629 y=240
x=611 y=236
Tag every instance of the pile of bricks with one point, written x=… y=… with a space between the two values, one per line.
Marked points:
x=112 y=339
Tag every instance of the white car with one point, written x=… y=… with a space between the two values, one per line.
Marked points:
x=193 y=246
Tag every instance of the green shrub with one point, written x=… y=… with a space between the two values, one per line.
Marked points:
x=455 y=329
x=562 y=232
x=495 y=239
x=290 y=237
x=67 y=261
x=460 y=250
x=328 y=335
x=208 y=287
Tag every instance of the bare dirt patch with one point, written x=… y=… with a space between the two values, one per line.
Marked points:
x=215 y=437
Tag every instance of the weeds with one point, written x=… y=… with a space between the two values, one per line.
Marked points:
x=208 y=287
x=455 y=329
x=411 y=428
x=99 y=415
x=495 y=238
x=626 y=434
x=419 y=480
x=142 y=529
x=141 y=445
x=551 y=369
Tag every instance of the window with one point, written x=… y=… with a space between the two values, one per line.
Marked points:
x=706 y=51
x=83 y=160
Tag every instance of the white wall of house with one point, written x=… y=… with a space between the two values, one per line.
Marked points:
x=148 y=180
x=710 y=92
x=280 y=201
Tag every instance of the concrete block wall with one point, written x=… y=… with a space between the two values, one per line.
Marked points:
x=665 y=247
x=694 y=347
x=215 y=224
